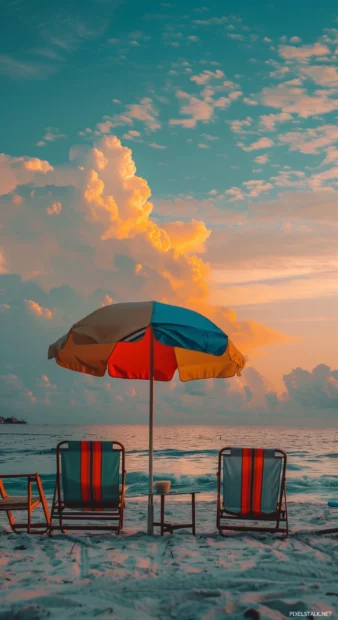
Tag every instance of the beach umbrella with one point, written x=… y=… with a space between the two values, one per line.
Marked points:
x=148 y=340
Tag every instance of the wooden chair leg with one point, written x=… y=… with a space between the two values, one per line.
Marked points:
x=29 y=510
x=121 y=514
x=218 y=519
x=11 y=521
x=52 y=511
x=43 y=502
x=10 y=517
x=162 y=515
x=60 y=517
x=193 y=497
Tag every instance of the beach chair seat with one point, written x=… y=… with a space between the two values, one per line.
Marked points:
x=27 y=503
x=251 y=493
x=18 y=502
x=90 y=486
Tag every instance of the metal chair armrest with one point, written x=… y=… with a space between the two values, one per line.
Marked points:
x=30 y=478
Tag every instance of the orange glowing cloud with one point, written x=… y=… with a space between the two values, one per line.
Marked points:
x=187 y=237
x=54 y=209
x=111 y=241
x=37 y=165
x=38 y=310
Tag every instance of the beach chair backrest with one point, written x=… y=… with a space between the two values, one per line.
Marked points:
x=252 y=479
x=90 y=474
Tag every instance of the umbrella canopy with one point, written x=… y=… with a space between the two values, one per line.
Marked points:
x=148 y=340
x=183 y=340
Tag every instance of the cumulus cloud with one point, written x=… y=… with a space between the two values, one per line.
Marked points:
x=109 y=229
x=311 y=141
x=202 y=108
x=198 y=110
x=331 y=155
x=206 y=76
x=54 y=209
x=240 y=126
x=304 y=52
x=308 y=397
x=268 y=121
x=143 y=113
x=322 y=74
x=235 y=193
x=110 y=203
x=294 y=100
x=37 y=165
x=211 y=21
x=154 y=145
x=51 y=135
x=109 y=248
x=186 y=243
x=16 y=171
x=257 y=187
x=250 y=101
x=261 y=159
x=317 y=389
x=38 y=310
x=262 y=143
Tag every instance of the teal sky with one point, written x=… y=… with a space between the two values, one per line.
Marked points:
x=63 y=69
x=230 y=114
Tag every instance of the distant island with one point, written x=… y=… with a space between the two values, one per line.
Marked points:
x=11 y=420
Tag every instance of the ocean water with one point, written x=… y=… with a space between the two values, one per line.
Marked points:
x=186 y=455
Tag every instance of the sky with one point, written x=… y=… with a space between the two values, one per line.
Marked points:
x=177 y=152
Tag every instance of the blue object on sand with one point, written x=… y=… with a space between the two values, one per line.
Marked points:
x=333 y=503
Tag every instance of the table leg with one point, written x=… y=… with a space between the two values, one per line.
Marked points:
x=193 y=514
x=162 y=514
x=29 y=514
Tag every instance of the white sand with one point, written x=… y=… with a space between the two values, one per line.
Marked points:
x=179 y=576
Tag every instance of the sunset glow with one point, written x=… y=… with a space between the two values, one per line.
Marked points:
x=195 y=165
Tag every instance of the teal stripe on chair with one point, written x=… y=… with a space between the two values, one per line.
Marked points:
x=232 y=480
x=271 y=482
x=110 y=474
x=71 y=473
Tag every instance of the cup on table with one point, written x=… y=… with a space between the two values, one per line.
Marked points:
x=163 y=486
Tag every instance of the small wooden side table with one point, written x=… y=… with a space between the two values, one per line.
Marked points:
x=170 y=527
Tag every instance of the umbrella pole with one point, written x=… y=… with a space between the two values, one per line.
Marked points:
x=151 y=448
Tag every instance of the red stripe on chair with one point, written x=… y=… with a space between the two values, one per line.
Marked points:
x=257 y=480
x=97 y=471
x=85 y=471
x=246 y=480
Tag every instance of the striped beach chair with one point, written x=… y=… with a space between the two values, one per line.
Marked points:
x=251 y=492
x=90 y=486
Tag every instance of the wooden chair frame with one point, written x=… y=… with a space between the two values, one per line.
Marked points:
x=11 y=503
x=280 y=516
x=107 y=513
